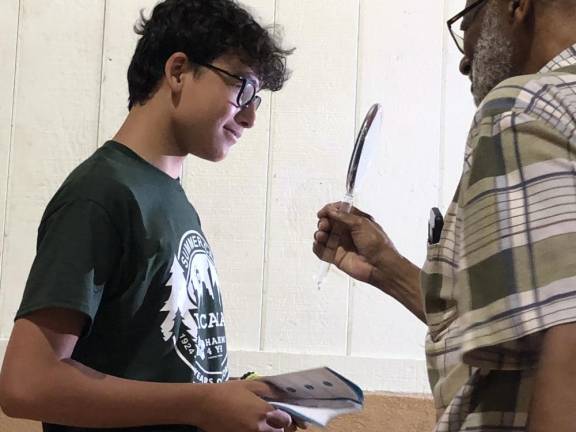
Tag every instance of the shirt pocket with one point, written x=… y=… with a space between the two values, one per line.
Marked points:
x=438 y=291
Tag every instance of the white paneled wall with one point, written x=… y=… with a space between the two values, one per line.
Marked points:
x=402 y=69
x=232 y=199
x=9 y=24
x=314 y=117
x=55 y=122
x=63 y=90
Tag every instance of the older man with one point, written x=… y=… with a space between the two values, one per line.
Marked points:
x=498 y=289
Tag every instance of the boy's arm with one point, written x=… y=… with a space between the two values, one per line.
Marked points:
x=39 y=381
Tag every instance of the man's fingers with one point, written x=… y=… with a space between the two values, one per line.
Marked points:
x=324 y=224
x=318 y=249
x=328 y=207
x=321 y=237
x=348 y=219
x=335 y=206
x=359 y=212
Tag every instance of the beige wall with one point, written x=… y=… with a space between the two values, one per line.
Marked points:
x=62 y=83
x=382 y=413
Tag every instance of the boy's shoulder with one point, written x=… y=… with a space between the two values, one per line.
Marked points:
x=105 y=174
x=110 y=177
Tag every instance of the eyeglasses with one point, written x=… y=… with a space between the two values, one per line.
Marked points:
x=247 y=92
x=458 y=33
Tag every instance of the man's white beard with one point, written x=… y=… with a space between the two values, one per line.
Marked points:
x=493 y=53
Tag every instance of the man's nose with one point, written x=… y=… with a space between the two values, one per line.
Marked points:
x=465 y=66
x=246 y=116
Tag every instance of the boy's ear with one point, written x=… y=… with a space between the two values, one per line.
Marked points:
x=175 y=67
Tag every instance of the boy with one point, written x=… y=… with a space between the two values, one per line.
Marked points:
x=121 y=323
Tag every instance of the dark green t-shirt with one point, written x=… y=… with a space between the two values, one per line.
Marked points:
x=121 y=243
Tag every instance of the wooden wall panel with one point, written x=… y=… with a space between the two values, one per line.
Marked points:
x=258 y=206
x=56 y=115
x=312 y=137
x=119 y=44
x=230 y=197
x=399 y=71
x=8 y=43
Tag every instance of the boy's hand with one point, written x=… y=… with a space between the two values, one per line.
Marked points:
x=236 y=406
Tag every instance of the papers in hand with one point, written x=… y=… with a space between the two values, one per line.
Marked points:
x=315 y=396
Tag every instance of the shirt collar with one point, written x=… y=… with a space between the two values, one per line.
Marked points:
x=564 y=59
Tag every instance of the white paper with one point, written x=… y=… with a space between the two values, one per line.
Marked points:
x=316 y=395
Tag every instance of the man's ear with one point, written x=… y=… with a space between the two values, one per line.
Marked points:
x=519 y=10
x=174 y=69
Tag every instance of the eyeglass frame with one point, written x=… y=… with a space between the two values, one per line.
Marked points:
x=457 y=39
x=255 y=99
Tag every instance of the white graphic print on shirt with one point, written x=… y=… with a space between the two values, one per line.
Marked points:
x=195 y=319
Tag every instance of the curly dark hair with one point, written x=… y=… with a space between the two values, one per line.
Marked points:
x=203 y=30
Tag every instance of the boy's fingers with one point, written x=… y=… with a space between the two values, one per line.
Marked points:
x=278 y=419
x=262 y=389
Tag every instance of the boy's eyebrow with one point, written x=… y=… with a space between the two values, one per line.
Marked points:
x=246 y=72
x=251 y=76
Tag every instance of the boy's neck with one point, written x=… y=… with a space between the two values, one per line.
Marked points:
x=146 y=131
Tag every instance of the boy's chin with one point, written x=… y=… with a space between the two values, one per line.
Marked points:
x=213 y=156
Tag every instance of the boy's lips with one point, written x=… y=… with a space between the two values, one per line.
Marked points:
x=233 y=132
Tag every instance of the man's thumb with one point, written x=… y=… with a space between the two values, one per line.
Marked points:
x=346 y=219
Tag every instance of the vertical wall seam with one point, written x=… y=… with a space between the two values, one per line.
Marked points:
x=443 y=89
x=10 y=146
x=350 y=299
x=101 y=80
x=266 y=249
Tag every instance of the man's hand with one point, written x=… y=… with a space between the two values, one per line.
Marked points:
x=236 y=406
x=358 y=246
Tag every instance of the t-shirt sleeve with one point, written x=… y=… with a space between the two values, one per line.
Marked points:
x=518 y=272
x=77 y=254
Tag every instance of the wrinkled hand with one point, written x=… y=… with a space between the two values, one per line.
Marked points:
x=236 y=406
x=359 y=247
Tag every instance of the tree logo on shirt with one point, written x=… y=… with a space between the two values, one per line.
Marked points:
x=194 y=323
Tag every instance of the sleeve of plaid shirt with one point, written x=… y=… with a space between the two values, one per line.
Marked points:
x=518 y=265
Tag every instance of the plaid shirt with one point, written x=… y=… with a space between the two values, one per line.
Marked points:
x=505 y=267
